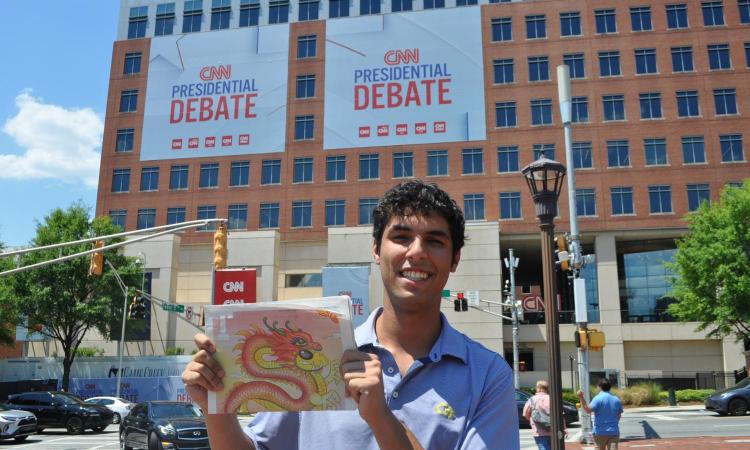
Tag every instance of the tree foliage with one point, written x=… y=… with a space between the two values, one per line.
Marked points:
x=712 y=266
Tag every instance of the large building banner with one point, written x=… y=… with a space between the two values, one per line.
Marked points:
x=215 y=94
x=413 y=78
x=353 y=281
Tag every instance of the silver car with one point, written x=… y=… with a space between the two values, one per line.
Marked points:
x=16 y=424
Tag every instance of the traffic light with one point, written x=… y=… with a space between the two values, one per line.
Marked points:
x=97 y=261
x=464 y=301
x=133 y=308
x=220 y=247
x=596 y=340
x=563 y=256
x=519 y=309
x=457 y=302
x=138 y=308
x=581 y=339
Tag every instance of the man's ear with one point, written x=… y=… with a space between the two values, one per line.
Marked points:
x=456 y=259
x=375 y=252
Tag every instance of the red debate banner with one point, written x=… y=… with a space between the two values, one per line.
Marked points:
x=235 y=285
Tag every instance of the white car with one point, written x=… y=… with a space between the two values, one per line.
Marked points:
x=119 y=406
x=16 y=424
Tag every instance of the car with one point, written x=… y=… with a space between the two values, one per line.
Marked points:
x=54 y=409
x=16 y=424
x=161 y=424
x=733 y=400
x=569 y=410
x=119 y=406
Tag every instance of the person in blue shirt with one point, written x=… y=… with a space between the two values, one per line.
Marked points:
x=607 y=410
x=418 y=383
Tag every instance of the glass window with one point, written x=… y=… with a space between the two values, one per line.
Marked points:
x=466 y=2
x=618 y=153
x=582 y=155
x=606 y=21
x=536 y=26
x=731 y=148
x=570 y=24
x=682 y=59
x=120 y=180
x=650 y=105
x=580 y=109
x=575 y=64
x=660 y=199
x=585 y=202
x=401 y=5
x=338 y=8
x=146 y=218
x=132 y=63
x=640 y=17
x=270 y=171
x=747 y=54
x=403 y=164
x=614 y=107
x=725 y=101
x=503 y=71
x=118 y=217
x=129 y=101
x=505 y=114
x=744 y=9
x=437 y=163
x=237 y=216
x=646 y=285
x=336 y=168
x=544 y=150
x=137 y=22
x=718 y=57
x=687 y=104
x=269 y=215
x=369 y=166
x=175 y=215
x=693 y=150
x=541 y=112
x=697 y=194
x=249 y=13
x=335 y=212
x=645 y=60
x=301 y=214
x=713 y=13
x=239 y=174
x=367 y=7
x=209 y=175
x=472 y=161
x=677 y=16
x=432 y=4
x=207 y=212
x=220 y=11
x=304 y=280
x=507 y=159
x=164 y=19
x=366 y=207
x=149 y=179
x=474 y=206
x=192 y=16
x=306 y=46
x=609 y=64
x=304 y=127
x=305 y=86
x=622 y=200
x=178 y=177
x=502 y=29
x=538 y=68
x=124 y=141
x=656 y=151
x=510 y=205
x=303 y=170
x=308 y=10
x=278 y=11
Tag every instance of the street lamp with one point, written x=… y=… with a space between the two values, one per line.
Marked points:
x=545 y=179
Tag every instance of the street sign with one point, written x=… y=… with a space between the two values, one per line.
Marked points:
x=173 y=307
x=473 y=298
x=446 y=293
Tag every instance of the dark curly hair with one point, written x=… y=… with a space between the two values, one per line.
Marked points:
x=415 y=197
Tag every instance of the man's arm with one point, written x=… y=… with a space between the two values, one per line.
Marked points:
x=584 y=405
x=527 y=410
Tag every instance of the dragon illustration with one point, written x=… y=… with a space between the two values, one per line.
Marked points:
x=289 y=369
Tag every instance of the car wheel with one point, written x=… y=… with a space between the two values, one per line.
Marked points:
x=153 y=442
x=98 y=429
x=20 y=438
x=737 y=407
x=122 y=442
x=116 y=418
x=74 y=425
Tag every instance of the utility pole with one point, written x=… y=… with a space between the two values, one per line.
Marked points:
x=511 y=263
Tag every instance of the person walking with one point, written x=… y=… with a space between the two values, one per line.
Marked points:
x=536 y=412
x=607 y=410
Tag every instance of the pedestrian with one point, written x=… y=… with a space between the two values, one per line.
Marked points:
x=607 y=410
x=418 y=383
x=537 y=407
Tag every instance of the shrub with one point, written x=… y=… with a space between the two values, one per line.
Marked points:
x=174 y=351
x=89 y=352
x=693 y=395
x=640 y=394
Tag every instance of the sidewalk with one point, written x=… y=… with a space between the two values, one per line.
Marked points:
x=702 y=443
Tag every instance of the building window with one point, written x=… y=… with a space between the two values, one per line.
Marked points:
x=744 y=9
x=660 y=199
x=713 y=13
x=725 y=101
x=618 y=153
x=149 y=179
x=306 y=46
x=640 y=17
x=538 y=68
x=507 y=159
x=369 y=166
x=693 y=150
x=747 y=54
x=536 y=27
x=269 y=215
x=606 y=21
x=220 y=11
x=338 y=8
x=305 y=86
x=580 y=109
x=270 y=171
x=718 y=57
x=146 y=218
x=544 y=151
x=192 y=16
x=585 y=202
x=434 y=4
x=207 y=212
x=697 y=194
x=366 y=208
x=682 y=59
x=209 y=175
x=304 y=127
x=132 y=63
x=609 y=64
x=466 y=2
x=582 y=155
x=278 y=11
x=129 y=101
x=541 y=112
x=118 y=217
x=239 y=173
x=164 y=19
x=645 y=60
x=137 y=22
x=505 y=114
x=178 y=177
x=121 y=180
x=335 y=212
x=474 y=206
x=401 y=5
x=124 y=141
x=472 y=161
x=403 y=164
x=502 y=29
x=301 y=214
x=503 y=71
x=614 y=107
x=367 y=7
x=656 y=151
x=303 y=170
x=622 y=200
x=510 y=205
x=249 y=13
x=437 y=163
x=650 y=105
x=175 y=215
x=570 y=24
x=677 y=16
x=731 y=148
x=687 y=104
x=308 y=10
x=575 y=64
x=238 y=216
x=336 y=168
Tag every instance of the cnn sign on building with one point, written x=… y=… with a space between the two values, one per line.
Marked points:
x=235 y=285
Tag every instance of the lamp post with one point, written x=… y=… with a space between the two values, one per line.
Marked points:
x=544 y=178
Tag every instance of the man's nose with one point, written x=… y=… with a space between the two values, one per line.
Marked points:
x=416 y=249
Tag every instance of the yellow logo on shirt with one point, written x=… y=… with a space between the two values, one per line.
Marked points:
x=445 y=410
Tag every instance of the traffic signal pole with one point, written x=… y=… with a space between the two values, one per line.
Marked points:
x=511 y=263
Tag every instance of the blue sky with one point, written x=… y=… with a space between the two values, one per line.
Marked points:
x=53 y=92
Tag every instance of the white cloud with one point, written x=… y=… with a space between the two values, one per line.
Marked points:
x=60 y=144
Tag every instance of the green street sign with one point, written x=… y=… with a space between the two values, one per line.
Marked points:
x=446 y=293
x=173 y=307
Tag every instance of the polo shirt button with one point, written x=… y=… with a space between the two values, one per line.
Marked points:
x=390 y=370
x=395 y=394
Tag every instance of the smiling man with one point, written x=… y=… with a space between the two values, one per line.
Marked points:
x=418 y=382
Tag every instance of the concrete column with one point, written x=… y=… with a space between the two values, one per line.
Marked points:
x=259 y=249
x=613 y=354
x=732 y=354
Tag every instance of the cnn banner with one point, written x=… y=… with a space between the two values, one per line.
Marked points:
x=235 y=285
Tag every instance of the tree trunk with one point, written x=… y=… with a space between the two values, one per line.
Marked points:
x=67 y=363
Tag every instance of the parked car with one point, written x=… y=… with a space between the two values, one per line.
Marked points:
x=62 y=410
x=16 y=424
x=569 y=410
x=119 y=406
x=733 y=400
x=156 y=425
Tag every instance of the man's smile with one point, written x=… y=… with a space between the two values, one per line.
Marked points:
x=414 y=275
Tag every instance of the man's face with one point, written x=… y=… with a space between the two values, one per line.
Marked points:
x=416 y=257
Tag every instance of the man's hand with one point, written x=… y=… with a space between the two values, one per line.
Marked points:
x=580 y=394
x=363 y=377
x=203 y=373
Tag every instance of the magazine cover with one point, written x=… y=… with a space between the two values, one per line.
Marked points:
x=281 y=356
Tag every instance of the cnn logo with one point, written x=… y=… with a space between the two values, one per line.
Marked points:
x=234 y=286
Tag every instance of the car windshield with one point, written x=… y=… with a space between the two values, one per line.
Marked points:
x=68 y=399
x=4 y=407
x=174 y=410
x=743 y=383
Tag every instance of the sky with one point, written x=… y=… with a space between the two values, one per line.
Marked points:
x=53 y=92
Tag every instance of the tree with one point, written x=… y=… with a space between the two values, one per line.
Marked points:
x=712 y=267
x=62 y=301
x=8 y=312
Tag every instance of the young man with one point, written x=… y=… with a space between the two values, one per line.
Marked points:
x=608 y=410
x=418 y=383
x=539 y=401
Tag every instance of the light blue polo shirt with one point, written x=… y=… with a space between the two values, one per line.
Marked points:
x=607 y=409
x=460 y=396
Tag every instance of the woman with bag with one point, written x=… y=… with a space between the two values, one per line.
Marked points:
x=536 y=411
